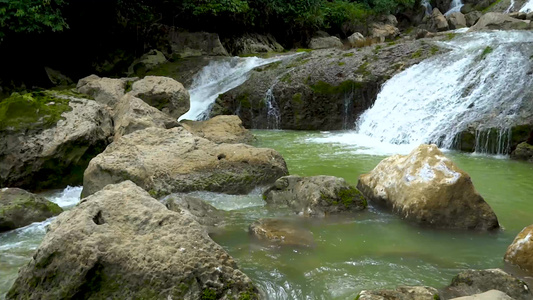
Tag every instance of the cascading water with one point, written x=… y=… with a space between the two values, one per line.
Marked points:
x=527 y=7
x=455 y=6
x=510 y=8
x=427 y=5
x=273 y=113
x=216 y=78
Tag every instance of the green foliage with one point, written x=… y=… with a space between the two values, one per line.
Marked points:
x=488 y=50
x=346 y=15
x=29 y=16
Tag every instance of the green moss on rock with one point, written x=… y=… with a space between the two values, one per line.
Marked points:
x=322 y=87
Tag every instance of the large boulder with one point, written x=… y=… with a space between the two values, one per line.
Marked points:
x=120 y=243
x=252 y=43
x=356 y=40
x=147 y=62
x=281 y=232
x=325 y=42
x=499 y=21
x=437 y=21
x=163 y=93
x=220 y=129
x=55 y=155
x=523 y=151
x=456 y=20
x=401 y=293
x=201 y=211
x=471 y=282
x=107 y=91
x=19 y=208
x=132 y=114
x=383 y=31
x=520 y=252
x=315 y=195
x=429 y=189
x=472 y=17
x=165 y=161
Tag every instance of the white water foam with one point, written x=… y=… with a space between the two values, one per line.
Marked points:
x=527 y=7
x=68 y=197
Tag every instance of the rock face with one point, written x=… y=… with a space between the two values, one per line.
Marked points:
x=56 y=156
x=147 y=62
x=281 y=232
x=499 y=21
x=456 y=20
x=315 y=196
x=472 y=17
x=122 y=243
x=520 y=252
x=220 y=129
x=384 y=31
x=196 y=208
x=401 y=293
x=325 y=42
x=178 y=43
x=165 y=161
x=437 y=21
x=471 y=282
x=106 y=91
x=523 y=151
x=19 y=208
x=251 y=43
x=429 y=189
x=163 y=93
x=132 y=114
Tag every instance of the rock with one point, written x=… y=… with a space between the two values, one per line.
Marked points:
x=523 y=151
x=165 y=161
x=518 y=15
x=429 y=189
x=57 y=78
x=120 y=243
x=529 y=16
x=356 y=40
x=133 y=114
x=220 y=129
x=499 y=21
x=472 y=17
x=54 y=157
x=456 y=20
x=179 y=43
x=147 y=62
x=383 y=31
x=520 y=252
x=443 y=5
x=19 y=208
x=252 y=43
x=467 y=8
x=437 y=21
x=281 y=232
x=401 y=293
x=163 y=93
x=196 y=208
x=325 y=42
x=489 y=295
x=106 y=91
x=315 y=195
x=471 y=282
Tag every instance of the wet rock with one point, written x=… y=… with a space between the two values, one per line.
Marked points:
x=281 y=232
x=132 y=114
x=252 y=43
x=401 y=293
x=147 y=62
x=316 y=195
x=437 y=21
x=57 y=78
x=472 y=17
x=499 y=21
x=19 y=208
x=523 y=151
x=325 y=42
x=520 y=252
x=427 y=188
x=165 y=161
x=471 y=282
x=443 y=5
x=201 y=211
x=356 y=40
x=120 y=243
x=163 y=93
x=456 y=20
x=220 y=129
x=518 y=15
x=41 y=158
x=104 y=90
x=489 y=295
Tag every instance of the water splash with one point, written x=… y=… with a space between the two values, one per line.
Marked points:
x=455 y=6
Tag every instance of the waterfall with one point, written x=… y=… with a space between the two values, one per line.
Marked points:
x=484 y=82
x=528 y=7
x=510 y=8
x=273 y=113
x=216 y=78
x=455 y=6
x=427 y=5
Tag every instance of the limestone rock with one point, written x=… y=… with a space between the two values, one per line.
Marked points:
x=104 y=90
x=19 y=208
x=518 y=15
x=429 y=189
x=315 y=195
x=56 y=157
x=383 y=31
x=147 y=62
x=520 y=252
x=437 y=21
x=356 y=40
x=471 y=282
x=178 y=43
x=499 y=21
x=251 y=43
x=201 y=211
x=523 y=151
x=133 y=114
x=57 y=78
x=120 y=243
x=281 y=232
x=401 y=293
x=325 y=42
x=220 y=129
x=165 y=161
x=163 y=93
x=489 y=295
x=472 y=17
x=456 y=20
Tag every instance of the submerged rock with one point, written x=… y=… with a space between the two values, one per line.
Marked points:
x=520 y=252
x=315 y=195
x=220 y=129
x=472 y=282
x=165 y=161
x=19 y=208
x=401 y=293
x=281 y=232
x=429 y=189
x=120 y=243
x=201 y=211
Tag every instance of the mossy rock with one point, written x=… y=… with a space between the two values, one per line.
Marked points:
x=523 y=151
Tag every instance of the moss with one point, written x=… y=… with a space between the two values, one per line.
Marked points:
x=53 y=208
x=303 y=50
x=209 y=294
x=350 y=54
x=488 y=50
x=153 y=193
x=488 y=8
x=341 y=63
x=434 y=50
x=377 y=49
x=244 y=100
x=270 y=66
x=348 y=196
x=391 y=43
x=436 y=297
x=417 y=54
x=286 y=78
x=36 y=110
x=363 y=69
x=451 y=36
x=128 y=87
x=297 y=98
x=357 y=297
x=520 y=133
x=297 y=63
x=322 y=87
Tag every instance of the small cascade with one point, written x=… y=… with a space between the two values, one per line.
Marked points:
x=527 y=7
x=455 y=6
x=493 y=141
x=348 y=110
x=273 y=113
x=427 y=5
x=510 y=8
